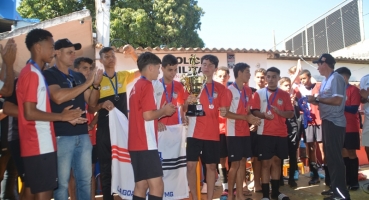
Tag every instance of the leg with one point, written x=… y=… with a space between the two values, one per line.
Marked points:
x=82 y=167
x=65 y=151
x=104 y=154
x=292 y=153
x=265 y=176
x=141 y=188
x=72 y=186
x=354 y=169
x=27 y=194
x=240 y=177
x=8 y=183
x=275 y=175
x=311 y=147
x=156 y=187
x=256 y=168
x=44 y=195
x=232 y=178
x=191 y=177
x=210 y=177
x=93 y=183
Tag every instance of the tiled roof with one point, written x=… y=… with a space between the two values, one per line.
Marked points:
x=197 y=49
x=311 y=58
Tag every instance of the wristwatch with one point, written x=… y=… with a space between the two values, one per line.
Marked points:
x=96 y=88
x=316 y=99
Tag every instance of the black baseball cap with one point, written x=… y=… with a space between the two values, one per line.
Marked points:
x=65 y=43
x=327 y=58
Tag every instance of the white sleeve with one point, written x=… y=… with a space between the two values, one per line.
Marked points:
x=363 y=82
x=1 y=84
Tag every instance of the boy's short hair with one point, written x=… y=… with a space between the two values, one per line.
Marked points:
x=213 y=59
x=170 y=60
x=284 y=79
x=105 y=50
x=260 y=70
x=239 y=67
x=292 y=70
x=305 y=71
x=36 y=35
x=78 y=61
x=274 y=69
x=222 y=68
x=344 y=71
x=146 y=59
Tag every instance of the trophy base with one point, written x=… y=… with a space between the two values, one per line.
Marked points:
x=195 y=111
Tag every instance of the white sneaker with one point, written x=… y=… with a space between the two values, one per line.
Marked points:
x=218 y=183
x=204 y=189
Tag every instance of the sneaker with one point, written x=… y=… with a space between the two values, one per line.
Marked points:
x=314 y=181
x=281 y=196
x=296 y=175
x=334 y=198
x=218 y=183
x=353 y=187
x=292 y=183
x=361 y=176
x=321 y=176
x=204 y=188
x=327 y=192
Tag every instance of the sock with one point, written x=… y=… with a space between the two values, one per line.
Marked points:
x=275 y=188
x=327 y=177
x=354 y=171
x=138 y=198
x=314 y=169
x=346 y=160
x=152 y=197
x=225 y=186
x=224 y=175
x=265 y=189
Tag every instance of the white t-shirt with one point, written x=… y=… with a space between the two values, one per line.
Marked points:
x=364 y=84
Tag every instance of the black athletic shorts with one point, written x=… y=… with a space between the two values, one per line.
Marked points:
x=238 y=147
x=210 y=150
x=146 y=164
x=94 y=154
x=223 y=146
x=41 y=173
x=269 y=146
x=254 y=143
x=352 y=141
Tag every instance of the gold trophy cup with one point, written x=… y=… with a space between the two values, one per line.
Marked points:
x=194 y=83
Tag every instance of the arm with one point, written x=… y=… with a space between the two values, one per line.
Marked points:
x=92 y=95
x=10 y=109
x=166 y=110
x=2 y=114
x=333 y=101
x=31 y=113
x=60 y=95
x=286 y=114
x=352 y=109
x=7 y=67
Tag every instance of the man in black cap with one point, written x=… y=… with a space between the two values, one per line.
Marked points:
x=71 y=89
x=331 y=102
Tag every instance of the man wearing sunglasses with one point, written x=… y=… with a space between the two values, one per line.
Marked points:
x=74 y=148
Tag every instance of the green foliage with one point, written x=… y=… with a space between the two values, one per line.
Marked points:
x=173 y=23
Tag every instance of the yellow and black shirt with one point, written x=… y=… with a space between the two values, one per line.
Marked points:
x=107 y=93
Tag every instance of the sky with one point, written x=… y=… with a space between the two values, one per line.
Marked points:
x=250 y=23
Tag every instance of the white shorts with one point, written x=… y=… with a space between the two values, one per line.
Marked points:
x=365 y=133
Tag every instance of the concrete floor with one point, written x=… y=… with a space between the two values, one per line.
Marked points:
x=304 y=191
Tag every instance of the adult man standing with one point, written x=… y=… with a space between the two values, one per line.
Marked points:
x=112 y=94
x=332 y=107
x=364 y=92
x=68 y=87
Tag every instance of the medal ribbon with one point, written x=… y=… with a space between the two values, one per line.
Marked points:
x=166 y=93
x=211 y=98
x=244 y=99
x=39 y=69
x=275 y=94
x=116 y=83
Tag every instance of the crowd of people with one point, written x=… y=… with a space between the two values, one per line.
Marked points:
x=55 y=123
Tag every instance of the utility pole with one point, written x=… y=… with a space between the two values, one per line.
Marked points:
x=103 y=22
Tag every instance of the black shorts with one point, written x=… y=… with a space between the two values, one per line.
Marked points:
x=41 y=173
x=313 y=133
x=94 y=154
x=270 y=146
x=223 y=146
x=14 y=147
x=238 y=148
x=146 y=164
x=209 y=148
x=254 y=143
x=352 y=141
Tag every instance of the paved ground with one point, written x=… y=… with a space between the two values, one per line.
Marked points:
x=304 y=191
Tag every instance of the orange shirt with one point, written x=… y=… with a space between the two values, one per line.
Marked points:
x=352 y=99
x=281 y=100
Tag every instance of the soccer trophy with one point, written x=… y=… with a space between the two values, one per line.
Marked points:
x=194 y=83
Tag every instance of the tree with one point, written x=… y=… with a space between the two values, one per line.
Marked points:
x=172 y=23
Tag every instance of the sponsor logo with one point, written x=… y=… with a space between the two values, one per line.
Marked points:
x=168 y=194
x=280 y=102
x=215 y=95
x=175 y=95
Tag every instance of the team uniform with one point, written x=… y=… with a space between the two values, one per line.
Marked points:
x=143 y=135
x=203 y=132
x=314 y=130
x=364 y=85
x=272 y=134
x=238 y=132
x=37 y=138
x=113 y=89
x=352 y=138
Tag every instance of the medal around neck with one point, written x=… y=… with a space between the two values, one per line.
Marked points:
x=194 y=83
